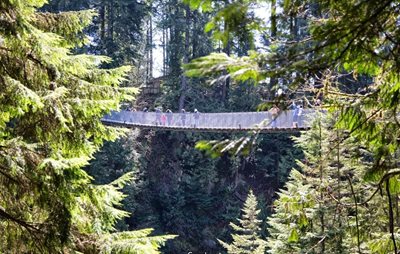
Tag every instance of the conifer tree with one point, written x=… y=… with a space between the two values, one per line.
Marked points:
x=247 y=237
x=51 y=105
x=328 y=207
x=300 y=218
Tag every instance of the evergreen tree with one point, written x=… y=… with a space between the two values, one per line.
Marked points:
x=117 y=30
x=328 y=207
x=247 y=237
x=51 y=105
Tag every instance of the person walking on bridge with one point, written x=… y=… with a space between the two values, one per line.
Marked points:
x=183 y=117
x=292 y=106
x=295 y=116
x=169 y=117
x=274 y=115
x=158 y=116
x=163 y=119
x=132 y=113
x=299 y=115
x=196 y=118
x=145 y=110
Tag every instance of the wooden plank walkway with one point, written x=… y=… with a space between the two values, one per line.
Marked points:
x=203 y=129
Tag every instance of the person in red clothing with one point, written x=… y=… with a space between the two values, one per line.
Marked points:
x=163 y=119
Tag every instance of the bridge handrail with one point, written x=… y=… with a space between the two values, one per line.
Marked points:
x=226 y=120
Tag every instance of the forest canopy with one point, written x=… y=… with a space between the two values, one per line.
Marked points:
x=70 y=184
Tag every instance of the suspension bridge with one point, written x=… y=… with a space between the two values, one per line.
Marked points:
x=265 y=122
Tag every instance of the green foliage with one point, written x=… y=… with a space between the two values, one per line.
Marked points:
x=232 y=20
x=69 y=25
x=341 y=37
x=215 y=148
x=134 y=242
x=328 y=206
x=203 y=5
x=246 y=238
x=98 y=210
x=116 y=31
x=240 y=68
x=51 y=105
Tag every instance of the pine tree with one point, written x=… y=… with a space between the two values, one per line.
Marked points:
x=51 y=105
x=247 y=237
x=328 y=207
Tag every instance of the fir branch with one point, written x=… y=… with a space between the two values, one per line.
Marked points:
x=9 y=176
x=20 y=222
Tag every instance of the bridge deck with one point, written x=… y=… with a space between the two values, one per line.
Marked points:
x=213 y=122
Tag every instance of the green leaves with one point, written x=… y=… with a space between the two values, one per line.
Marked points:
x=234 y=20
x=201 y=5
x=209 y=26
x=238 y=68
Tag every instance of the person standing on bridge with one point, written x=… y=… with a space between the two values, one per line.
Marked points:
x=299 y=115
x=163 y=119
x=158 y=116
x=274 y=114
x=293 y=105
x=169 y=117
x=132 y=113
x=295 y=118
x=144 y=115
x=183 y=117
x=196 y=117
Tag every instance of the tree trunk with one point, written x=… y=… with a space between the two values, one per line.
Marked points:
x=274 y=31
x=226 y=83
x=102 y=14
x=195 y=37
x=167 y=56
x=164 y=40
x=111 y=21
x=321 y=191
x=151 y=47
x=184 y=80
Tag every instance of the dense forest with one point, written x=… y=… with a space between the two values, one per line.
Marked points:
x=71 y=184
